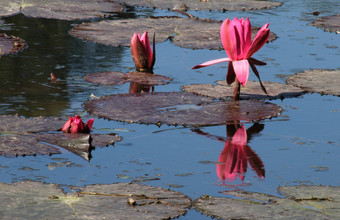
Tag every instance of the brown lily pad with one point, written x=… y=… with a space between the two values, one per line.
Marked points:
x=176 y=108
x=11 y=44
x=61 y=9
x=320 y=81
x=206 y=5
x=28 y=136
x=301 y=202
x=31 y=200
x=251 y=91
x=329 y=23
x=182 y=31
x=117 y=78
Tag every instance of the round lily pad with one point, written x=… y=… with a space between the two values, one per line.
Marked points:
x=320 y=81
x=31 y=200
x=10 y=44
x=182 y=31
x=318 y=202
x=61 y=9
x=207 y=5
x=176 y=108
x=117 y=78
x=329 y=23
x=251 y=91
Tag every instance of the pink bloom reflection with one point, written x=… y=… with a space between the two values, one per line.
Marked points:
x=235 y=157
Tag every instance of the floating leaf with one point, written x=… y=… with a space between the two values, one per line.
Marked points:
x=329 y=23
x=321 y=81
x=182 y=31
x=302 y=202
x=207 y=5
x=31 y=200
x=117 y=78
x=251 y=91
x=10 y=44
x=60 y=9
x=178 y=108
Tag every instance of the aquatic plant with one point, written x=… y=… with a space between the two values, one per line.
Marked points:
x=142 y=55
x=76 y=125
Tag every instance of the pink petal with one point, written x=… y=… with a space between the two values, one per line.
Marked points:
x=260 y=39
x=211 y=62
x=146 y=44
x=240 y=136
x=241 y=68
x=89 y=123
x=247 y=35
x=228 y=38
x=67 y=125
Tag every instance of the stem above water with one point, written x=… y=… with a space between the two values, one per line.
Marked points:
x=237 y=89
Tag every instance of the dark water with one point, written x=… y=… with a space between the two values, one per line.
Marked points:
x=304 y=149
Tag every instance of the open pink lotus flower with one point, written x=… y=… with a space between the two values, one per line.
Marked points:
x=141 y=53
x=76 y=125
x=235 y=156
x=236 y=40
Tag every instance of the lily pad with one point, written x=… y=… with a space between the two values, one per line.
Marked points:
x=31 y=200
x=182 y=31
x=10 y=44
x=320 y=81
x=176 y=108
x=117 y=78
x=329 y=23
x=206 y=5
x=28 y=136
x=302 y=202
x=61 y=9
x=251 y=91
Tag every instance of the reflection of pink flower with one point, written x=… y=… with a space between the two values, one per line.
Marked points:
x=236 y=40
x=235 y=157
x=76 y=125
x=141 y=52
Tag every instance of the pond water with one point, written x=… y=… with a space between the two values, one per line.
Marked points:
x=301 y=146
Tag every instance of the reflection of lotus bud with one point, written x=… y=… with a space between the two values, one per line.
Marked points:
x=76 y=125
x=141 y=53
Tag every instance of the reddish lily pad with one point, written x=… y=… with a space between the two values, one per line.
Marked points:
x=329 y=23
x=117 y=78
x=11 y=44
x=31 y=200
x=182 y=31
x=207 y=5
x=318 y=202
x=251 y=91
x=61 y=9
x=178 y=108
x=320 y=81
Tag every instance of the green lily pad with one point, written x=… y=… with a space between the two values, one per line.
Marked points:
x=60 y=9
x=301 y=202
x=28 y=136
x=251 y=91
x=324 y=82
x=31 y=200
x=117 y=78
x=206 y=5
x=182 y=31
x=176 y=108
x=11 y=44
x=329 y=23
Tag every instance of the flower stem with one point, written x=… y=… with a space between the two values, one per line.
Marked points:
x=237 y=89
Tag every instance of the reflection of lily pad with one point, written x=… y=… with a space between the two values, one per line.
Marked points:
x=330 y=23
x=177 y=108
x=321 y=81
x=27 y=136
x=116 y=78
x=60 y=9
x=10 y=44
x=32 y=200
x=207 y=5
x=251 y=91
x=182 y=31
x=302 y=202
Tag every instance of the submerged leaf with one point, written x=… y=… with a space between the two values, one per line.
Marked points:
x=10 y=44
x=329 y=23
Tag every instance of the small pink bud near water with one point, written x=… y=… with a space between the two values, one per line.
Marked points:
x=76 y=125
x=142 y=55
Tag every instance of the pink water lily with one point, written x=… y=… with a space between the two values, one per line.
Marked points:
x=142 y=55
x=76 y=125
x=236 y=40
